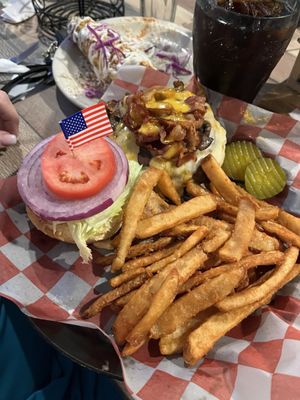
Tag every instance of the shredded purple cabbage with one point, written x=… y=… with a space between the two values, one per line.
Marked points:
x=99 y=44
x=177 y=62
x=93 y=92
x=103 y=45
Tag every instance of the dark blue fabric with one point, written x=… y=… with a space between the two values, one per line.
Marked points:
x=30 y=369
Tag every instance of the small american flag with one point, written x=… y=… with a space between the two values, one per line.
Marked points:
x=86 y=125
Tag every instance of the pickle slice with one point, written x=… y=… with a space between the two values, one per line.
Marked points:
x=264 y=178
x=237 y=156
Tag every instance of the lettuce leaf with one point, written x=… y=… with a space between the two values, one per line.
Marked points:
x=105 y=223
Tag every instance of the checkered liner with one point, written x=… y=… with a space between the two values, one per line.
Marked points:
x=256 y=360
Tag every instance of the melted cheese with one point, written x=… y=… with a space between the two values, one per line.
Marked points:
x=126 y=139
x=182 y=174
x=170 y=97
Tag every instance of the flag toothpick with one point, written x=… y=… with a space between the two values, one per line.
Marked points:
x=86 y=125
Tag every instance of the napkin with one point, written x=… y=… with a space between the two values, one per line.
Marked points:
x=9 y=67
x=16 y=11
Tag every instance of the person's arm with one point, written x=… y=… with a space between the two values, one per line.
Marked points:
x=9 y=121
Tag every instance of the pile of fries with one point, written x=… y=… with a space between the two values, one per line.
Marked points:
x=188 y=272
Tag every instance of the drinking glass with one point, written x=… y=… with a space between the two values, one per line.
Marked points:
x=235 y=53
x=161 y=9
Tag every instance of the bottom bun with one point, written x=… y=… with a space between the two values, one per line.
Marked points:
x=61 y=232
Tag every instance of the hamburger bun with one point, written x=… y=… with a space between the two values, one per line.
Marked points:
x=61 y=232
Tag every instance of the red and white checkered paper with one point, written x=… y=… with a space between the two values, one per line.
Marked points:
x=258 y=359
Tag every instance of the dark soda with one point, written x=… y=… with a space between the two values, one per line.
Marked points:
x=237 y=43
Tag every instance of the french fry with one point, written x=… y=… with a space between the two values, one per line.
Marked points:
x=195 y=190
x=260 y=241
x=138 y=305
x=289 y=221
x=202 y=274
x=121 y=301
x=227 y=218
x=212 y=223
x=146 y=247
x=127 y=276
x=248 y=262
x=237 y=245
x=195 y=280
x=181 y=230
x=214 y=190
x=226 y=208
x=256 y=293
x=143 y=261
x=195 y=301
x=292 y=275
x=184 y=247
x=180 y=250
x=202 y=339
x=160 y=302
x=266 y=213
x=212 y=262
x=215 y=240
x=173 y=343
x=244 y=193
x=154 y=205
x=129 y=349
x=133 y=213
x=231 y=192
x=107 y=298
x=167 y=188
x=261 y=214
x=281 y=232
x=220 y=180
x=243 y=283
x=143 y=248
x=184 y=212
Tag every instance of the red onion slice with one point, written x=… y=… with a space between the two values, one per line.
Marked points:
x=45 y=204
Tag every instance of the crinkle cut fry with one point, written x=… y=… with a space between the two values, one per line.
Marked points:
x=133 y=213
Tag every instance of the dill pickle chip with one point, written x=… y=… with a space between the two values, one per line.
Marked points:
x=264 y=178
x=237 y=156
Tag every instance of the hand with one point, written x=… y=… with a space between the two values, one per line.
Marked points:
x=9 y=121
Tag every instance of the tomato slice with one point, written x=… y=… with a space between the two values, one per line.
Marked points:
x=80 y=175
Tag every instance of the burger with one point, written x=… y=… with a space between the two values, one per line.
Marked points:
x=168 y=128
x=78 y=196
